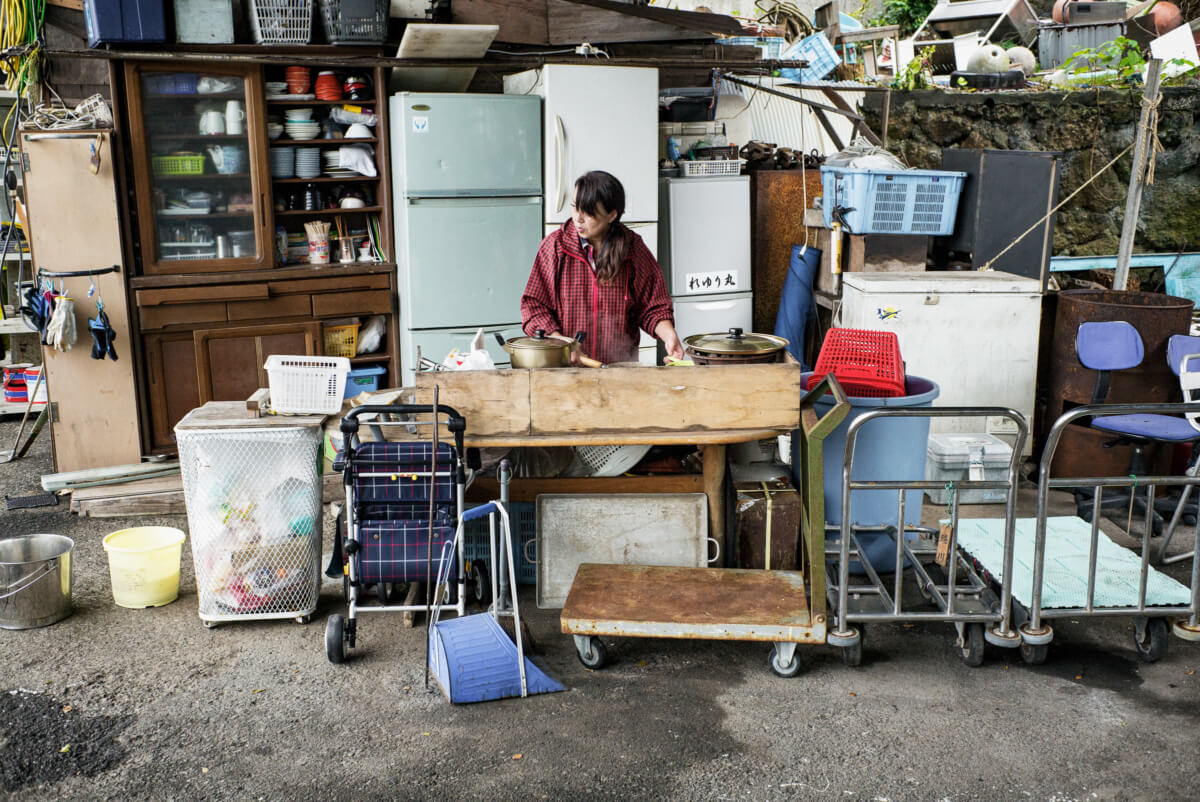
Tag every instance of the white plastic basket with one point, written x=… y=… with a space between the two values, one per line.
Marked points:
x=281 y=22
x=307 y=385
x=605 y=460
x=709 y=169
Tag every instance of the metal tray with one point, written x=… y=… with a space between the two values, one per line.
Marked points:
x=619 y=528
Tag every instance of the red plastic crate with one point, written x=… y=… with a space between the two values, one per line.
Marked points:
x=866 y=363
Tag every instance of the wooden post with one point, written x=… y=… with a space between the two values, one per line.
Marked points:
x=1137 y=175
x=714 y=488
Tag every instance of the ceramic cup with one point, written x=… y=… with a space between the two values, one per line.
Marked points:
x=212 y=122
x=235 y=117
x=298 y=115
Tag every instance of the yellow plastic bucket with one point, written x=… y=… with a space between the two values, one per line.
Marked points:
x=143 y=563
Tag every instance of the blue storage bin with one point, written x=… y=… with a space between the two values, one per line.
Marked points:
x=523 y=517
x=820 y=54
x=892 y=201
x=885 y=450
x=363 y=380
x=110 y=22
x=771 y=46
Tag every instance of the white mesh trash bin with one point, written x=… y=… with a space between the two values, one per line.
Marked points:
x=253 y=494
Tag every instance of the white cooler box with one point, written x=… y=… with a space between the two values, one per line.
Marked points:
x=967 y=457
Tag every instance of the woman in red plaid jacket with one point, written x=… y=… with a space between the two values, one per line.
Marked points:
x=594 y=275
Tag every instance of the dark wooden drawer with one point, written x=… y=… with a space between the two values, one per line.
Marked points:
x=374 y=302
x=283 y=306
x=159 y=317
x=330 y=284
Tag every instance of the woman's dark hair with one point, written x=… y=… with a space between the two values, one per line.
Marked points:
x=600 y=189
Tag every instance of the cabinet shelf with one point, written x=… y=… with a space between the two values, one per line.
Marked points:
x=323 y=212
x=312 y=143
x=207 y=215
x=325 y=179
x=195 y=96
x=201 y=177
x=369 y=358
x=273 y=101
x=204 y=137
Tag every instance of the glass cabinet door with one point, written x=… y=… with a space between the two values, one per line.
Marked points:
x=197 y=140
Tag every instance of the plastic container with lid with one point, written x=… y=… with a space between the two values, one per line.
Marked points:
x=967 y=457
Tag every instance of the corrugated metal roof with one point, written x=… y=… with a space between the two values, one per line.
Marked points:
x=793 y=125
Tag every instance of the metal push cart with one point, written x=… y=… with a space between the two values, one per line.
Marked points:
x=1099 y=578
x=956 y=592
x=784 y=608
x=404 y=501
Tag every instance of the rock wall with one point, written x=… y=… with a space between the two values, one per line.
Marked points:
x=1089 y=127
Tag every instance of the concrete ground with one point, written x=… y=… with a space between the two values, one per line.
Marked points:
x=149 y=704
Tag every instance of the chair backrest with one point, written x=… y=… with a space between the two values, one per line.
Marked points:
x=1111 y=345
x=1183 y=354
x=1107 y=346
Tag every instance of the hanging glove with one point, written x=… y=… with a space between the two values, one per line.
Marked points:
x=60 y=331
x=34 y=309
x=103 y=336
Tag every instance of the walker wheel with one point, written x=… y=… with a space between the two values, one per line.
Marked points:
x=971 y=648
x=595 y=656
x=335 y=638
x=1152 y=643
x=852 y=655
x=479 y=586
x=1034 y=655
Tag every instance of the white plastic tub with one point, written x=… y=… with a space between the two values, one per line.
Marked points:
x=967 y=457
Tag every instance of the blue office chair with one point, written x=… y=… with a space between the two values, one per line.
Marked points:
x=1116 y=345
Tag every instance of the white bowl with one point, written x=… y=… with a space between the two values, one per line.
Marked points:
x=298 y=114
x=352 y=203
x=358 y=131
x=274 y=130
x=276 y=87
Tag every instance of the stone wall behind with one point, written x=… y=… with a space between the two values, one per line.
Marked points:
x=1089 y=127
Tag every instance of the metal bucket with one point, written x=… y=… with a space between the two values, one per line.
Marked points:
x=35 y=580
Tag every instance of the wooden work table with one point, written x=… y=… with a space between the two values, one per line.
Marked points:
x=708 y=406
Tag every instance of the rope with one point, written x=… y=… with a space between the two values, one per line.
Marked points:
x=1151 y=130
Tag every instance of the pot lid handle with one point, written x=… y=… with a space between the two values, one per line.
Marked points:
x=539 y=334
x=735 y=333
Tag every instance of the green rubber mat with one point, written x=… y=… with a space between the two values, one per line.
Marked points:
x=1064 y=583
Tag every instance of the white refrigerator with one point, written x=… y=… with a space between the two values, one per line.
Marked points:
x=704 y=249
x=597 y=118
x=974 y=333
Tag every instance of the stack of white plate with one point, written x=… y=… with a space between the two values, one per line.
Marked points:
x=283 y=162
x=308 y=162
x=332 y=167
x=303 y=129
x=275 y=88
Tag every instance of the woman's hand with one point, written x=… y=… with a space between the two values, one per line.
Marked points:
x=665 y=331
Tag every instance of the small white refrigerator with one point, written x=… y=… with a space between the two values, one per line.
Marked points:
x=974 y=333
x=704 y=250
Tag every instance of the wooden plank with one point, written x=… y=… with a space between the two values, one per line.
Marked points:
x=191 y=295
x=58 y=481
x=74 y=5
x=520 y=21
x=666 y=602
x=639 y=400
x=232 y=415
x=423 y=40
x=570 y=23
x=704 y=22
x=714 y=487
x=663 y=438
x=494 y=403
x=1137 y=174
x=486 y=488
x=258 y=403
x=129 y=506
x=334 y=273
x=138 y=487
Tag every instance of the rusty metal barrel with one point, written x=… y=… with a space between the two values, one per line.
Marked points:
x=1156 y=317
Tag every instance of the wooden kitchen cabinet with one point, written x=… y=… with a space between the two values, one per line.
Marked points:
x=229 y=362
x=173 y=386
x=198 y=146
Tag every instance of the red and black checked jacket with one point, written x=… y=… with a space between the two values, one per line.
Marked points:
x=563 y=295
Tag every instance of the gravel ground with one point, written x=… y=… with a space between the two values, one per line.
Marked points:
x=149 y=704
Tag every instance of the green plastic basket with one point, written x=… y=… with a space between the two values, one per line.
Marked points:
x=181 y=164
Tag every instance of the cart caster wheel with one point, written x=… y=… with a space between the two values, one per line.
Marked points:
x=303 y=619
x=780 y=669
x=1034 y=655
x=479 y=586
x=210 y=624
x=381 y=593
x=971 y=650
x=335 y=638
x=596 y=655
x=1152 y=644
x=852 y=655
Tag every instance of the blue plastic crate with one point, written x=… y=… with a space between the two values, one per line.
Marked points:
x=921 y=202
x=110 y=22
x=771 y=46
x=363 y=380
x=818 y=51
x=523 y=516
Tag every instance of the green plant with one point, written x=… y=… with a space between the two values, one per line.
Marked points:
x=908 y=14
x=917 y=74
x=1122 y=57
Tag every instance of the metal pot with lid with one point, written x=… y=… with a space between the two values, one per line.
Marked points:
x=544 y=351
x=734 y=348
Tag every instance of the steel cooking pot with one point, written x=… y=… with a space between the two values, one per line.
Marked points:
x=734 y=348
x=544 y=351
